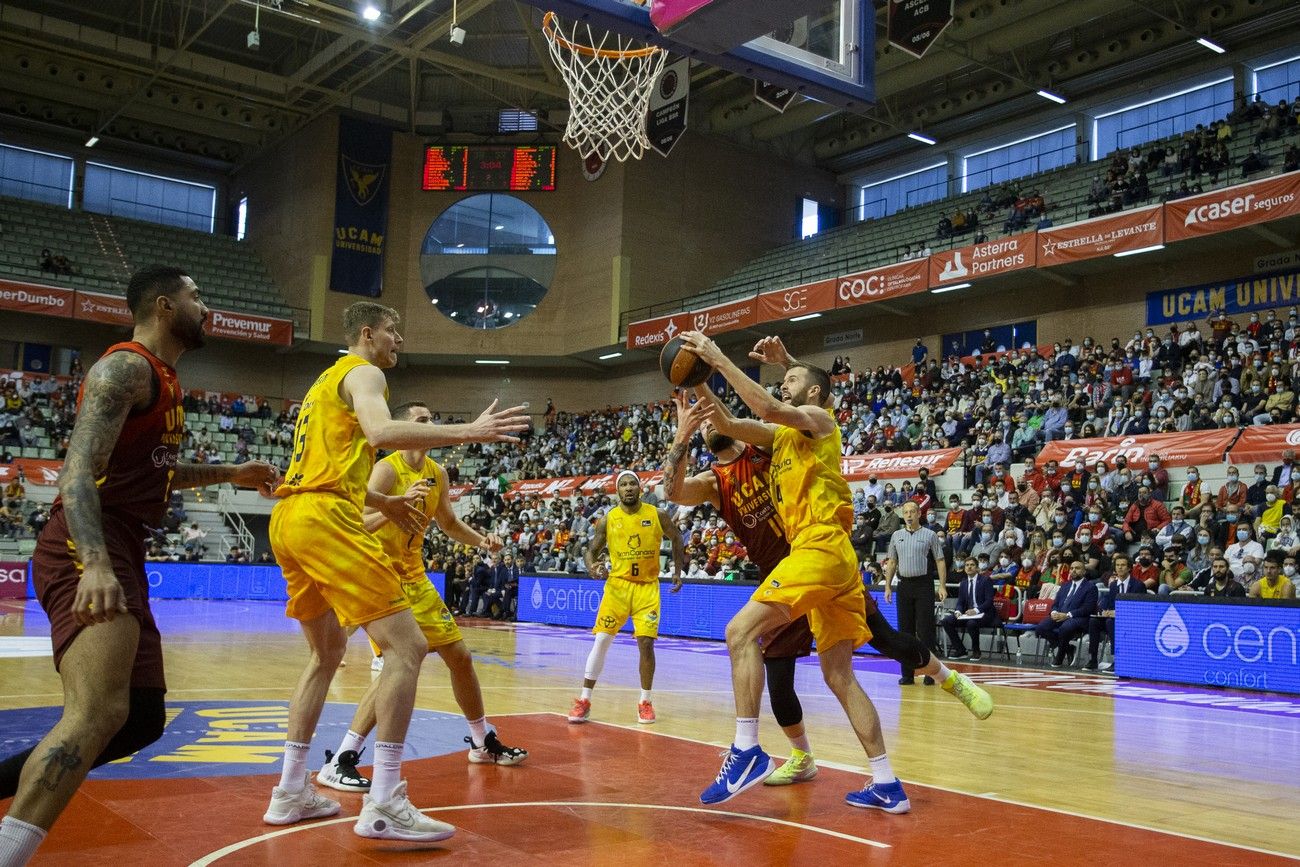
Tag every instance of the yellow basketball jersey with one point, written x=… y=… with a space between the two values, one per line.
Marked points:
x=809 y=487
x=403 y=548
x=330 y=454
x=633 y=542
x=1275 y=591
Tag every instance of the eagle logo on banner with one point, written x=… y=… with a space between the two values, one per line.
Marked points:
x=363 y=180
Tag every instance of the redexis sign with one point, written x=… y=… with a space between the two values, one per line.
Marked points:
x=1244 y=645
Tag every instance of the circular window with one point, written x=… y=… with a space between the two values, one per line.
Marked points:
x=487 y=261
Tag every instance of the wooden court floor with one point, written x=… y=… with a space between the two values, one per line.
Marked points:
x=1070 y=768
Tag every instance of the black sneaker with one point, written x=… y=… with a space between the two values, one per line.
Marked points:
x=493 y=752
x=340 y=772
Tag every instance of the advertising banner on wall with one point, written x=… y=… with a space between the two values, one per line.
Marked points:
x=101 y=307
x=1264 y=444
x=1233 y=207
x=32 y=298
x=881 y=284
x=1102 y=236
x=976 y=261
x=35 y=471
x=897 y=465
x=1183 y=449
x=361 y=207
x=249 y=327
x=13 y=580
x=1234 y=296
x=797 y=301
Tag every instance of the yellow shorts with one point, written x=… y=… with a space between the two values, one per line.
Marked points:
x=433 y=615
x=623 y=599
x=330 y=561
x=819 y=577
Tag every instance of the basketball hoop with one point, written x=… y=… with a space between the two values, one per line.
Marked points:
x=609 y=77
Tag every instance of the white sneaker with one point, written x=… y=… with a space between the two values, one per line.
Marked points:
x=340 y=772
x=396 y=819
x=377 y=664
x=289 y=807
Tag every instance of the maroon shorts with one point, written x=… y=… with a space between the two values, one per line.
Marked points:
x=55 y=575
x=796 y=638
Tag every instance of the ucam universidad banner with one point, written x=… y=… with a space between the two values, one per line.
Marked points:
x=1234 y=296
x=361 y=207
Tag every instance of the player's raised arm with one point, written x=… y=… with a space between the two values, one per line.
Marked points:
x=679 y=548
x=747 y=430
x=678 y=487
x=811 y=418
x=595 y=568
x=363 y=389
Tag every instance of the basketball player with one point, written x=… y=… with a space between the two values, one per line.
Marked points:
x=414 y=475
x=818 y=578
x=633 y=530
x=737 y=485
x=338 y=575
x=88 y=566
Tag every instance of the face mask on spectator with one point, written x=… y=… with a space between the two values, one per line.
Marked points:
x=1059 y=519
x=1232 y=477
x=1094 y=516
x=1085 y=539
x=986 y=536
x=1203 y=539
x=1110 y=547
x=1191 y=477
x=1004 y=562
x=1271 y=498
x=1058 y=542
x=1243 y=534
x=1230 y=517
x=1288 y=570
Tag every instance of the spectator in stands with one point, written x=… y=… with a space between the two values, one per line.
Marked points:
x=1221 y=582
x=1255 y=161
x=15 y=493
x=975 y=611
x=1271 y=513
x=266 y=558
x=192 y=538
x=1074 y=605
x=1286 y=539
x=1272 y=584
x=1174 y=574
x=236 y=555
x=1244 y=554
x=1177 y=528
x=1232 y=492
x=1145 y=568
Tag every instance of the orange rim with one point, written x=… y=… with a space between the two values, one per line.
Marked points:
x=550 y=26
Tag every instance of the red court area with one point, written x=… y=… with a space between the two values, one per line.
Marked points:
x=596 y=794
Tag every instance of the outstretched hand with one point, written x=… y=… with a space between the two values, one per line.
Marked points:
x=689 y=415
x=770 y=350
x=497 y=426
x=702 y=346
x=257 y=474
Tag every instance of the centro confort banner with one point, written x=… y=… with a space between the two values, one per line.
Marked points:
x=1246 y=644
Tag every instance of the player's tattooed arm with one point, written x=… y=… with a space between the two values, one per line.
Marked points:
x=673 y=469
x=595 y=568
x=114 y=385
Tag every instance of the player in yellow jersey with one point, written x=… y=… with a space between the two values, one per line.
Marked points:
x=819 y=577
x=413 y=474
x=338 y=575
x=631 y=531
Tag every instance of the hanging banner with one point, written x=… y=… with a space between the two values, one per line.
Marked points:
x=976 y=261
x=1264 y=444
x=1234 y=296
x=665 y=122
x=31 y=298
x=774 y=96
x=897 y=465
x=881 y=284
x=1183 y=449
x=1233 y=207
x=250 y=327
x=915 y=25
x=99 y=307
x=360 y=208
x=1101 y=236
x=797 y=301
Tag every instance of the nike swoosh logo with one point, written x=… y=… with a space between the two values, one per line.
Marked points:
x=739 y=782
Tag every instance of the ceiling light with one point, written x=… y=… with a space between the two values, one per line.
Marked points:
x=1056 y=98
x=805 y=316
x=1150 y=249
x=498 y=228
x=92 y=141
x=343 y=352
x=1213 y=46
x=923 y=139
x=490 y=361
x=508 y=315
x=953 y=288
x=434 y=300
x=370 y=12
x=608 y=355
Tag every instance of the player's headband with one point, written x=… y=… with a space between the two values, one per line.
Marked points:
x=620 y=476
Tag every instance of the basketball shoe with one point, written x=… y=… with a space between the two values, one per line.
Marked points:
x=396 y=819
x=741 y=770
x=974 y=697
x=645 y=713
x=889 y=797
x=289 y=807
x=493 y=752
x=580 y=711
x=340 y=772
x=798 y=769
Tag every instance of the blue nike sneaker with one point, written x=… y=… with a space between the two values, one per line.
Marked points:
x=889 y=797
x=741 y=769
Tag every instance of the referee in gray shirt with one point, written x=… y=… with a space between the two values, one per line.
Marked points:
x=916 y=556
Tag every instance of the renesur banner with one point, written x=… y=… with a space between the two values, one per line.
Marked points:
x=989 y=259
x=1183 y=449
x=897 y=465
x=881 y=284
x=1261 y=444
x=1233 y=207
x=1101 y=236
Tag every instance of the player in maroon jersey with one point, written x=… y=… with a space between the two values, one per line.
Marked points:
x=88 y=567
x=737 y=486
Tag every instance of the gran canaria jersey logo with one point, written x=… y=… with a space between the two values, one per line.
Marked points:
x=363 y=180
x=634 y=541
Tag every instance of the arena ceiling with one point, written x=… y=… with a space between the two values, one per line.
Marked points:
x=177 y=77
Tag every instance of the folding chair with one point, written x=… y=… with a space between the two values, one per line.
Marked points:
x=1033 y=612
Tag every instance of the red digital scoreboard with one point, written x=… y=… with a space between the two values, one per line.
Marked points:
x=472 y=168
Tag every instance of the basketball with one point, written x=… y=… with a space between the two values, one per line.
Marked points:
x=682 y=367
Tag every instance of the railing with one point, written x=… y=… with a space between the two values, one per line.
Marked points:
x=242 y=535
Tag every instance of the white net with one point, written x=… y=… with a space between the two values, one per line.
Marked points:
x=610 y=78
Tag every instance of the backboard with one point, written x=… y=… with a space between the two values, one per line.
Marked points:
x=826 y=54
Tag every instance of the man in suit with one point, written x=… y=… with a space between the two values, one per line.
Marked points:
x=479 y=582
x=505 y=584
x=1121 y=581
x=1074 y=605
x=1286 y=473
x=974 y=596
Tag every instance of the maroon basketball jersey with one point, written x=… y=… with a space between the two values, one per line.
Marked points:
x=140 y=469
x=743 y=491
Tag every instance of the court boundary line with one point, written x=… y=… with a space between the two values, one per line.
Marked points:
x=842 y=766
x=240 y=845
